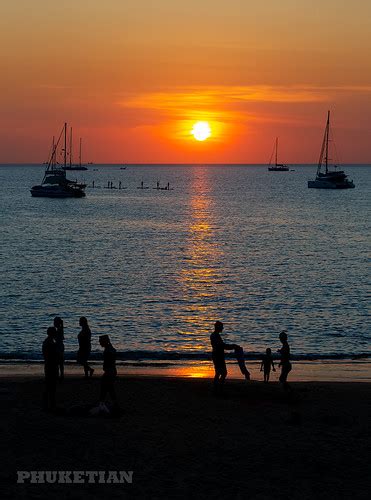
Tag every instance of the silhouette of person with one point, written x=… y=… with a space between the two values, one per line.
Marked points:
x=109 y=370
x=266 y=364
x=285 y=360
x=50 y=354
x=241 y=361
x=58 y=325
x=218 y=355
x=84 y=338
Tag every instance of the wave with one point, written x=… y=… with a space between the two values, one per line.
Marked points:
x=167 y=357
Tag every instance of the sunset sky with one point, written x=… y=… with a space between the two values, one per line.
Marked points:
x=133 y=77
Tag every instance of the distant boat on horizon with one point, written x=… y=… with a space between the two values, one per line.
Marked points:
x=277 y=167
x=329 y=179
x=55 y=183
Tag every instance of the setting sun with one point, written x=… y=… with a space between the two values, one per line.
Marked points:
x=201 y=131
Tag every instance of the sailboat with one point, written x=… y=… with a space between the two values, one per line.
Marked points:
x=329 y=179
x=55 y=183
x=277 y=167
x=78 y=166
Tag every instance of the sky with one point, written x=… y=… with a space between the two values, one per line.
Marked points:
x=132 y=77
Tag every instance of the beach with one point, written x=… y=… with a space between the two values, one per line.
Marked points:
x=180 y=440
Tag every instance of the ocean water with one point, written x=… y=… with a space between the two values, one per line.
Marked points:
x=154 y=269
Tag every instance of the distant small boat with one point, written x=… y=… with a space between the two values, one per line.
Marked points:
x=75 y=166
x=55 y=183
x=277 y=167
x=329 y=179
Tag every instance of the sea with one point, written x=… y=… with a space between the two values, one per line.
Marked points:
x=155 y=268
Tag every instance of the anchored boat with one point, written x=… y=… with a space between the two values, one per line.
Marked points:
x=277 y=167
x=325 y=177
x=55 y=183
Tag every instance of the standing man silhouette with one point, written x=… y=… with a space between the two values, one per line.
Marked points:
x=84 y=338
x=50 y=354
x=285 y=363
x=218 y=355
x=59 y=341
x=109 y=370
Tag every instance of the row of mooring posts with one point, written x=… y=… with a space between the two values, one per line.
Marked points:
x=111 y=185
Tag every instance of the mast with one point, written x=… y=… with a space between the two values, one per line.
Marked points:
x=53 y=159
x=276 y=149
x=65 y=144
x=80 y=152
x=324 y=149
x=327 y=137
x=71 y=148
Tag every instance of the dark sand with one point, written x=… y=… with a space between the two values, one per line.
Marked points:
x=255 y=442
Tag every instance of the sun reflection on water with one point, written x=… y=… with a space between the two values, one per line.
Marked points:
x=200 y=275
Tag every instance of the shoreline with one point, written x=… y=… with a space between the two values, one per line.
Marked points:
x=303 y=371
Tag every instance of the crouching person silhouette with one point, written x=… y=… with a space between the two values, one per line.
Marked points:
x=109 y=371
x=218 y=355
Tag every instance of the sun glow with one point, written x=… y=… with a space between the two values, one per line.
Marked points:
x=201 y=131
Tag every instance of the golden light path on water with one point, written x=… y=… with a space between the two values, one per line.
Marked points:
x=201 y=272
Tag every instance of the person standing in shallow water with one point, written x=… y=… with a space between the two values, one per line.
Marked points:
x=218 y=355
x=58 y=325
x=285 y=360
x=50 y=355
x=84 y=338
x=109 y=370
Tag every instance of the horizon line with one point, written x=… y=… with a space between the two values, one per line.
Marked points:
x=182 y=164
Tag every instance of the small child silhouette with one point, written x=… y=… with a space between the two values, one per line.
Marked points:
x=267 y=363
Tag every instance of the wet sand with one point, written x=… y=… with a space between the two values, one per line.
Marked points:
x=346 y=370
x=254 y=442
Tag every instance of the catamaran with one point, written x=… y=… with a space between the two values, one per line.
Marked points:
x=55 y=183
x=277 y=167
x=329 y=179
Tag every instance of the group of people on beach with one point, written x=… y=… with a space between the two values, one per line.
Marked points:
x=53 y=353
x=218 y=355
